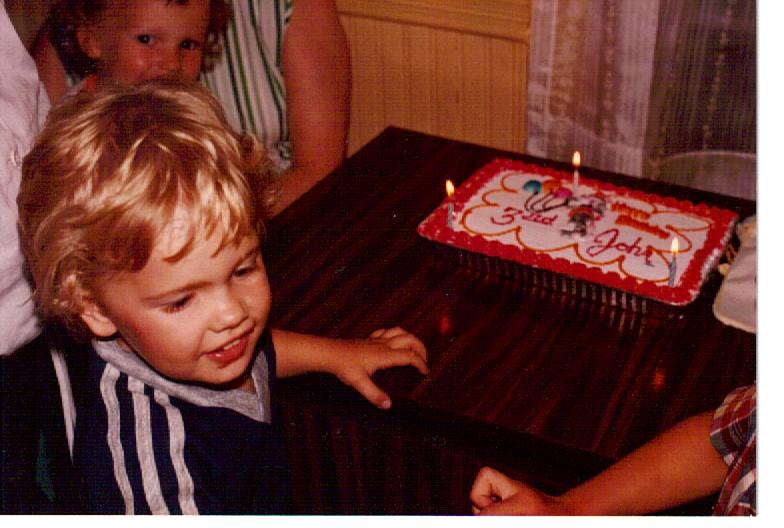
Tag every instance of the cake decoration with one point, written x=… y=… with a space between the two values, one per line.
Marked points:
x=673 y=262
x=576 y=175
x=450 y=190
x=595 y=231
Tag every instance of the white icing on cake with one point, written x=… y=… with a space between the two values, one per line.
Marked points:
x=502 y=210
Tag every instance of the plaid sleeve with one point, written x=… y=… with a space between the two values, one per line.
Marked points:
x=734 y=435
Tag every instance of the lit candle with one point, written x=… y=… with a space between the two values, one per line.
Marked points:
x=576 y=175
x=674 y=253
x=450 y=190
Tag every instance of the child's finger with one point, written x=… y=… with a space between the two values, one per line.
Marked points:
x=483 y=489
x=372 y=393
x=479 y=502
x=388 y=332
x=395 y=331
x=401 y=358
x=407 y=341
x=505 y=507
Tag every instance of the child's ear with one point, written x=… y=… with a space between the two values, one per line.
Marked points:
x=95 y=319
x=87 y=40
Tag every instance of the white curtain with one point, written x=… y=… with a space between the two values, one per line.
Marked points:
x=635 y=85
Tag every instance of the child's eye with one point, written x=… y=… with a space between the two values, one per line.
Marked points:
x=177 y=305
x=144 y=39
x=247 y=268
x=190 y=44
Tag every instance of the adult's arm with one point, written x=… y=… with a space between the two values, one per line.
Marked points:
x=317 y=73
x=50 y=70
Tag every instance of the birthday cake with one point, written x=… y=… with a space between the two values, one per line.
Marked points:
x=655 y=247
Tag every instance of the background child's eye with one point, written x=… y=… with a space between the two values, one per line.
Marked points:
x=144 y=39
x=190 y=44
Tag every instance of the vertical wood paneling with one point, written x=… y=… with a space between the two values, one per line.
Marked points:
x=448 y=106
x=475 y=84
x=454 y=81
x=396 y=72
x=367 y=80
x=423 y=84
x=507 y=95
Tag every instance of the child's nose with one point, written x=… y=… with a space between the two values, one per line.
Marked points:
x=230 y=311
x=170 y=63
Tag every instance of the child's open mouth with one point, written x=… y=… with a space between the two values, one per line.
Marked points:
x=231 y=351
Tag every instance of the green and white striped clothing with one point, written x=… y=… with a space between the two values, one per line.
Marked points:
x=248 y=77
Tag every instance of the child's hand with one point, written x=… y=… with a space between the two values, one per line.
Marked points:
x=393 y=347
x=493 y=493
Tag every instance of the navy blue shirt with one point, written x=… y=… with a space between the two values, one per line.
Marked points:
x=148 y=444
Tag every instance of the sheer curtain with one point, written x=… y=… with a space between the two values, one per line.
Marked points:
x=655 y=88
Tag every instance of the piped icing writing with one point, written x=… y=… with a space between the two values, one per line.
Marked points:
x=625 y=220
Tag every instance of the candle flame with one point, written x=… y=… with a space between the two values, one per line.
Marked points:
x=576 y=159
x=450 y=189
x=674 y=246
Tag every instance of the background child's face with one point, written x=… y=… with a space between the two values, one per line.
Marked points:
x=197 y=319
x=138 y=40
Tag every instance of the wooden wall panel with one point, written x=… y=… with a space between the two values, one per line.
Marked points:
x=509 y=19
x=453 y=68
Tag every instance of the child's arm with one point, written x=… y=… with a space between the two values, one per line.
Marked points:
x=351 y=361
x=678 y=466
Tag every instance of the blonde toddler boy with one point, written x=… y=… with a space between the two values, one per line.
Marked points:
x=141 y=226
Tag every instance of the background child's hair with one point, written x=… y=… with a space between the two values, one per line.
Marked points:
x=110 y=169
x=69 y=15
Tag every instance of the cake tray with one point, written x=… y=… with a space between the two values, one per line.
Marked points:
x=560 y=283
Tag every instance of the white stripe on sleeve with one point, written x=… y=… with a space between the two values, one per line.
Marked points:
x=177 y=452
x=108 y=384
x=144 y=449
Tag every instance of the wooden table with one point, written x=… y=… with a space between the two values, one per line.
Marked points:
x=543 y=385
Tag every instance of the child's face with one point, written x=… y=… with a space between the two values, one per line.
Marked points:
x=197 y=319
x=137 y=40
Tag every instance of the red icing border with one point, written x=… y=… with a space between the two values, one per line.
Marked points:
x=434 y=228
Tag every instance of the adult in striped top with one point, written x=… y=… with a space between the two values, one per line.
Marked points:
x=284 y=74
x=146 y=245
x=702 y=455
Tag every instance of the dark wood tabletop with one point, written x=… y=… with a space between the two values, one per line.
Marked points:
x=521 y=377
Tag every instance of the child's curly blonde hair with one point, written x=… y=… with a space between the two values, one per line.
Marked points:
x=111 y=168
